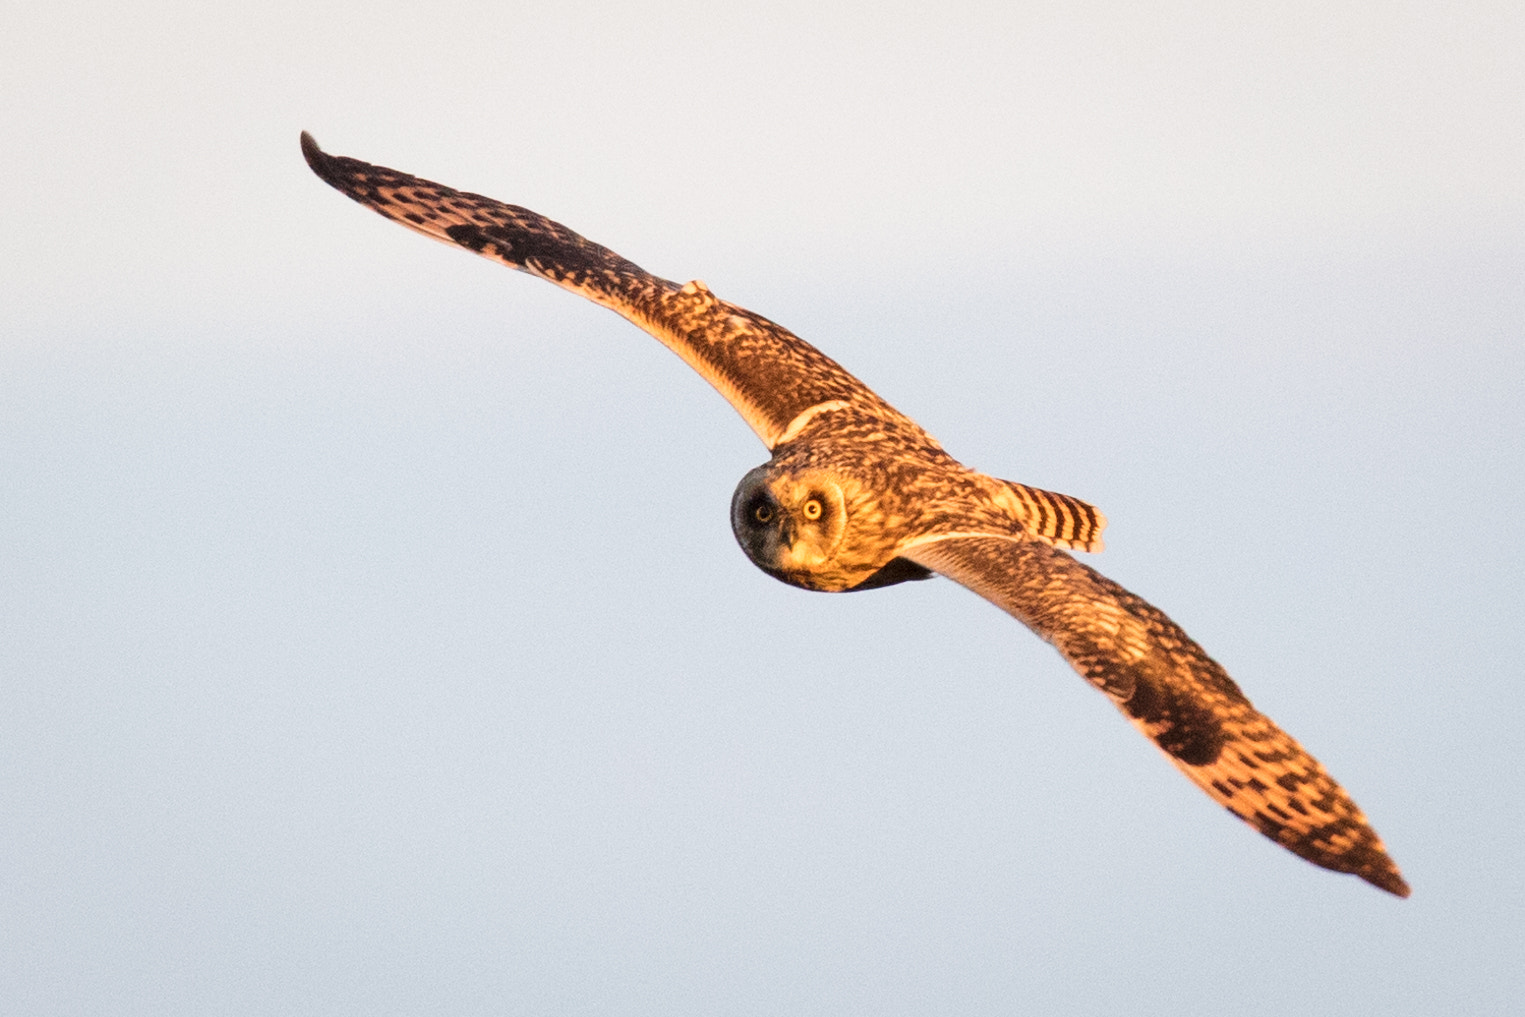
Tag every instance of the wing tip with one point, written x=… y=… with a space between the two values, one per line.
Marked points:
x=1385 y=876
x=311 y=152
x=1367 y=858
x=320 y=162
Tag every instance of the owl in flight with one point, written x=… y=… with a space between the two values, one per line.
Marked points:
x=856 y=496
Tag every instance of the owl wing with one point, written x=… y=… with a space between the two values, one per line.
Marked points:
x=774 y=379
x=1173 y=692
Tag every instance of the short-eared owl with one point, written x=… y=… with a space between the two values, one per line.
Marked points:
x=857 y=496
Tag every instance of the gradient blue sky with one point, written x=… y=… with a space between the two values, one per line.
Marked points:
x=372 y=638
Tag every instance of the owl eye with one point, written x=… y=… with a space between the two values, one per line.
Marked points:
x=763 y=512
x=812 y=509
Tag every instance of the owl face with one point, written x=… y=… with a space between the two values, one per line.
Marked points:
x=791 y=526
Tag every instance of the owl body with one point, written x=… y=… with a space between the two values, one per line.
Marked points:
x=857 y=496
x=839 y=502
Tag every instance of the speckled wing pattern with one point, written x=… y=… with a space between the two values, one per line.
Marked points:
x=769 y=374
x=1175 y=693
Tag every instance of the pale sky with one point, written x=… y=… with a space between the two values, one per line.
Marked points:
x=372 y=636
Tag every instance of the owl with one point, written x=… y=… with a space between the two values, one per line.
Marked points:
x=856 y=496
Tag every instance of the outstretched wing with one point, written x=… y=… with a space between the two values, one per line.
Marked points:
x=771 y=376
x=1175 y=694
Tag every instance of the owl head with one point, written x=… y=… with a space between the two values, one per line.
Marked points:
x=791 y=525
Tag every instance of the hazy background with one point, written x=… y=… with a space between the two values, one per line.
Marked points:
x=372 y=637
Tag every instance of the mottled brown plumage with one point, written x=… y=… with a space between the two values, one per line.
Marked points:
x=857 y=496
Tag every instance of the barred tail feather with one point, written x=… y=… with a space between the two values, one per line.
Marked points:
x=1058 y=519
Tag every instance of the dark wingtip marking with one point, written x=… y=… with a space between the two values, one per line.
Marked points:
x=313 y=154
x=323 y=164
x=1384 y=876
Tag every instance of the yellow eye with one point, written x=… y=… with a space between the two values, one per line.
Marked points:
x=763 y=513
x=813 y=509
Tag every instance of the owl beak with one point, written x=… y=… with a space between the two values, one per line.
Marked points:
x=786 y=531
